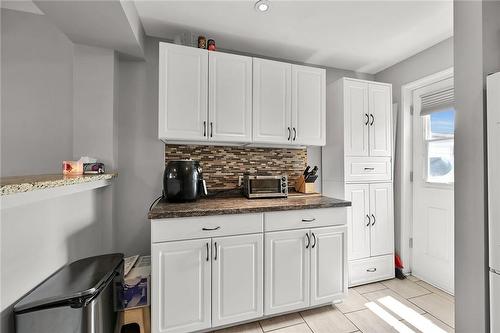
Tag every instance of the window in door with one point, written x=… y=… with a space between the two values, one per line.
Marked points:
x=439 y=128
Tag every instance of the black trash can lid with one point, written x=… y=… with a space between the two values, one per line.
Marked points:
x=78 y=280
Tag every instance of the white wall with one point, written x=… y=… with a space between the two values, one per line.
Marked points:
x=37 y=80
x=432 y=60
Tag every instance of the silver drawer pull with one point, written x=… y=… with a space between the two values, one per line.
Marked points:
x=211 y=229
x=370 y=169
x=371 y=270
x=309 y=219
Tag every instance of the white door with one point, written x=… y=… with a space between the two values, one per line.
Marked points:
x=382 y=221
x=237 y=279
x=358 y=220
x=181 y=286
x=271 y=101
x=380 y=107
x=183 y=90
x=433 y=193
x=356 y=118
x=230 y=97
x=328 y=264
x=287 y=271
x=308 y=105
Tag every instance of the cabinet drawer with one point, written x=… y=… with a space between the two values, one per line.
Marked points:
x=367 y=169
x=371 y=269
x=305 y=218
x=205 y=227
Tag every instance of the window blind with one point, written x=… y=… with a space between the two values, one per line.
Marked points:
x=437 y=101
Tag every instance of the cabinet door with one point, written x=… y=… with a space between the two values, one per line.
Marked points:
x=237 y=279
x=356 y=118
x=382 y=215
x=183 y=89
x=287 y=271
x=380 y=107
x=181 y=282
x=230 y=97
x=358 y=221
x=271 y=101
x=328 y=264
x=308 y=106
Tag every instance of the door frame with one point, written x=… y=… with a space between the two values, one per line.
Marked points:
x=406 y=148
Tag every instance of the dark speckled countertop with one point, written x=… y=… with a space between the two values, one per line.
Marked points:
x=241 y=205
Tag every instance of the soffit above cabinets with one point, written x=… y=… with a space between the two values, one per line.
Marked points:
x=363 y=36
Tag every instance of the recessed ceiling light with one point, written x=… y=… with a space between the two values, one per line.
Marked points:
x=262 y=6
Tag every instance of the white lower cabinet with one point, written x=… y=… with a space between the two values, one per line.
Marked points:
x=328 y=264
x=237 y=272
x=237 y=279
x=287 y=272
x=304 y=268
x=371 y=232
x=181 y=286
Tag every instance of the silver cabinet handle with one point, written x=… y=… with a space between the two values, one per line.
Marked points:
x=211 y=129
x=308 y=241
x=211 y=229
x=373 y=119
x=367 y=119
x=308 y=219
x=289 y=134
x=369 y=220
x=314 y=238
x=215 y=251
x=208 y=256
x=371 y=270
x=294 y=134
x=374 y=220
x=204 y=128
x=367 y=168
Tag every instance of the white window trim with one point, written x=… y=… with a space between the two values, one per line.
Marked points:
x=406 y=193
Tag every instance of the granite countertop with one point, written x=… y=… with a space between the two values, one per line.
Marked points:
x=20 y=184
x=241 y=205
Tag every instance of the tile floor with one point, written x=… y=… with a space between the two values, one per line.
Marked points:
x=408 y=305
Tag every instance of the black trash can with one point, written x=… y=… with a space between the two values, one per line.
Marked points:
x=78 y=298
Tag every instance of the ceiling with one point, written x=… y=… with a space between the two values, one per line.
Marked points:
x=363 y=36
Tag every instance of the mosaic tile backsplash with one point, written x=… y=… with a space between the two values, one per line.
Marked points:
x=222 y=164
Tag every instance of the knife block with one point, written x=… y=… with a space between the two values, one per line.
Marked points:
x=303 y=187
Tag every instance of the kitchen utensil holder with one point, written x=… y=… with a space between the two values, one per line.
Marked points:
x=303 y=187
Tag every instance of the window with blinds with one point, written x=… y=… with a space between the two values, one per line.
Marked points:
x=438 y=116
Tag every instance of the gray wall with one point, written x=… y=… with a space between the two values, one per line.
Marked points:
x=39 y=118
x=37 y=80
x=432 y=60
x=477 y=53
x=140 y=153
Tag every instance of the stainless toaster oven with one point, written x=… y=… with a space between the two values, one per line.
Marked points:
x=258 y=186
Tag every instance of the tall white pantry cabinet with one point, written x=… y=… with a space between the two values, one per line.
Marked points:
x=357 y=165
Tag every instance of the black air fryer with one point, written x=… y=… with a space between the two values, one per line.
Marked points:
x=183 y=181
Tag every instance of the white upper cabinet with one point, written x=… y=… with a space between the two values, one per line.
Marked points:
x=356 y=118
x=367 y=118
x=237 y=280
x=217 y=97
x=328 y=266
x=183 y=90
x=229 y=98
x=380 y=102
x=181 y=277
x=271 y=101
x=308 y=105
